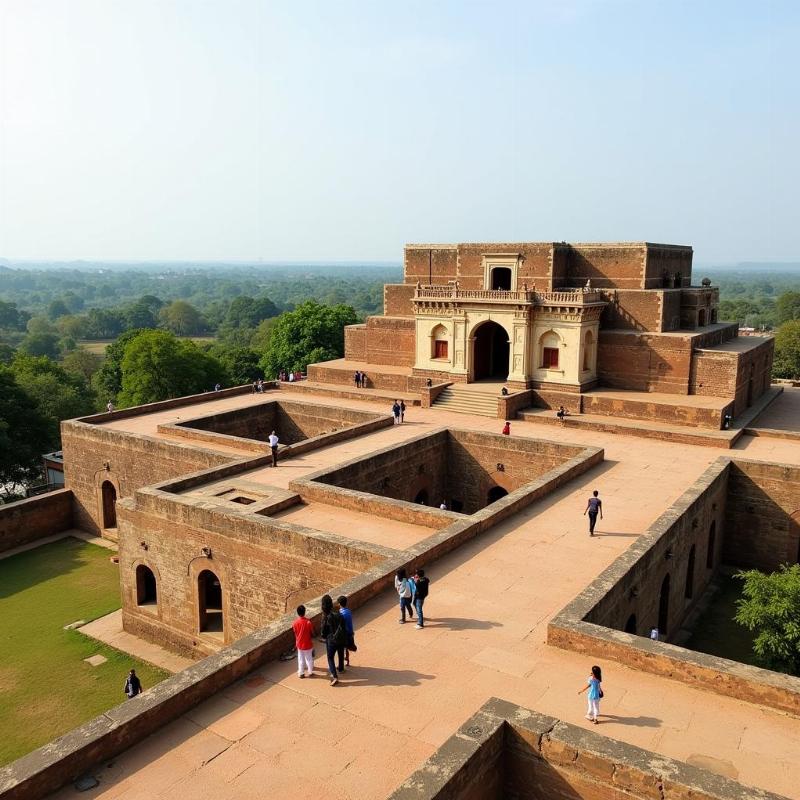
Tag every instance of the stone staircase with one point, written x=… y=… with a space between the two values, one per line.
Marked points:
x=469 y=399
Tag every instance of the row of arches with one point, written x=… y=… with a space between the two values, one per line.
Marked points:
x=209 y=597
x=688 y=586
x=491 y=350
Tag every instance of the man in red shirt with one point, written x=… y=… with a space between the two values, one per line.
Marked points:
x=303 y=636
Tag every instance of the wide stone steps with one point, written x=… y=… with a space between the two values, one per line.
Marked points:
x=466 y=401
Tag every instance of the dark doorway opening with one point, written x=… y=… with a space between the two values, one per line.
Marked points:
x=501 y=278
x=495 y=493
x=457 y=506
x=146 y=591
x=490 y=355
x=701 y=317
x=109 y=494
x=209 y=594
x=688 y=591
x=663 y=607
x=422 y=497
x=630 y=625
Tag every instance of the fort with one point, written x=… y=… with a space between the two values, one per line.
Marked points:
x=216 y=547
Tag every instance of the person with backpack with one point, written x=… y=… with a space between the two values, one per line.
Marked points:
x=335 y=634
x=347 y=616
x=422 y=584
x=133 y=685
x=595 y=694
x=403 y=586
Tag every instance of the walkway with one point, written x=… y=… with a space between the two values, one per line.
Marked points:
x=488 y=609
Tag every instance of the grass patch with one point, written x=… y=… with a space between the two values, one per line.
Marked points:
x=716 y=633
x=46 y=688
x=98 y=346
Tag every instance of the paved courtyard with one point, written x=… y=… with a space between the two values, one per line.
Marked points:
x=490 y=601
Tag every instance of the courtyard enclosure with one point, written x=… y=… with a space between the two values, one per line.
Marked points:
x=739 y=512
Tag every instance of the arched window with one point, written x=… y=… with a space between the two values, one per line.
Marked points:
x=146 y=590
x=549 y=344
x=588 y=347
x=663 y=607
x=109 y=495
x=422 y=497
x=630 y=625
x=495 y=493
x=688 y=591
x=439 y=342
x=712 y=540
x=209 y=596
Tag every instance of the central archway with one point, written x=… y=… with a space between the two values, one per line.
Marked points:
x=490 y=353
x=109 y=495
x=209 y=595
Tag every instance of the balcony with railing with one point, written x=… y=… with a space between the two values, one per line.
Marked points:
x=454 y=293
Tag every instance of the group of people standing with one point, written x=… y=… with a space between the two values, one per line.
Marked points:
x=412 y=592
x=399 y=411
x=360 y=379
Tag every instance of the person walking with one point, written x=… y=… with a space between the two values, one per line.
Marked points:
x=273 y=446
x=396 y=412
x=593 y=684
x=405 y=593
x=594 y=506
x=133 y=685
x=507 y=429
x=303 y=641
x=402 y=411
x=347 y=616
x=357 y=379
x=363 y=380
x=422 y=585
x=335 y=635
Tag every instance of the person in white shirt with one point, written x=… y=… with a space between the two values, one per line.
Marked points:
x=110 y=406
x=443 y=506
x=273 y=446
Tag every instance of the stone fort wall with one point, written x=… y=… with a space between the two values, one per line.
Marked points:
x=25 y=521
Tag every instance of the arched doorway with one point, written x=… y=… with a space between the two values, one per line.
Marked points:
x=701 y=317
x=422 y=497
x=209 y=596
x=630 y=625
x=663 y=607
x=490 y=352
x=146 y=589
x=109 y=495
x=688 y=591
x=495 y=493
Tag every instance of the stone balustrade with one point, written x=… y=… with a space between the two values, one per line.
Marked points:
x=453 y=292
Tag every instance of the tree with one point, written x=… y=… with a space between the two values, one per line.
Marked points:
x=41 y=344
x=107 y=381
x=56 y=309
x=82 y=362
x=58 y=394
x=240 y=363
x=787 y=350
x=310 y=333
x=143 y=313
x=103 y=323
x=39 y=324
x=10 y=317
x=72 y=326
x=157 y=366
x=6 y=353
x=787 y=307
x=247 y=312
x=23 y=435
x=770 y=605
x=181 y=318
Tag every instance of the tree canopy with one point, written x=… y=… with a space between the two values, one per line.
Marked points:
x=770 y=606
x=310 y=333
x=787 y=350
x=156 y=366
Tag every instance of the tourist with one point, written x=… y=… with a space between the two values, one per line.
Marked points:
x=273 y=447
x=291 y=377
x=109 y=406
x=303 y=636
x=561 y=413
x=405 y=593
x=357 y=379
x=443 y=506
x=363 y=380
x=260 y=386
x=504 y=392
x=402 y=410
x=507 y=429
x=594 y=506
x=421 y=584
x=133 y=685
x=255 y=387
x=347 y=616
x=595 y=694
x=396 y=412
x=217 y=387
x=334 y=633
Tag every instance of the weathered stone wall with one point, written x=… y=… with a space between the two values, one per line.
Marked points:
x=635 y=309
x=260 y=565
x=25 y=521
x=430 y=263
x=355 y=342
x=133 y=461
x=663 y=261
x=753 y=374
x=397 y=299
x=619 y=266
x=653 y=410
x=391 y=340
x=762 y=520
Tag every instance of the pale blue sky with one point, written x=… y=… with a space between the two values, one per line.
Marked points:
x=244 y=129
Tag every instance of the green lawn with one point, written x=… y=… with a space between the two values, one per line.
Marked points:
x=45 y=686
x=716 y=632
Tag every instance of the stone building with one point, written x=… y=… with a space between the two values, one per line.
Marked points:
x=558 y=318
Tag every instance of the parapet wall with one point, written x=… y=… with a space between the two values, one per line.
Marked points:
x=25 y=521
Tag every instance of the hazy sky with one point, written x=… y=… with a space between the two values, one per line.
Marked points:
x=245 y=129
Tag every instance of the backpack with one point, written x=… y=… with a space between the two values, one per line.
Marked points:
x=340 y=634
